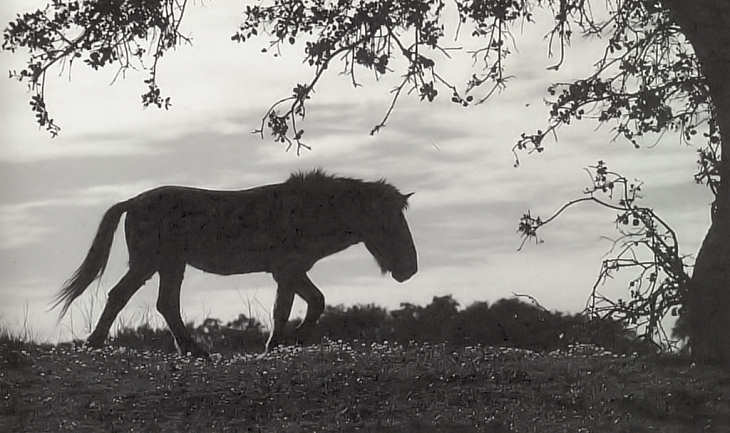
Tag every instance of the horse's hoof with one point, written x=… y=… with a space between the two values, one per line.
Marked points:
x=199 y=353
x=195 y=352
x=305 y=339
x=94 y=343
x=304 y=336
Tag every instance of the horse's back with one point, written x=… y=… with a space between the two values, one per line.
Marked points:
x=196 y=222
x=173 y=202
x=242 y=231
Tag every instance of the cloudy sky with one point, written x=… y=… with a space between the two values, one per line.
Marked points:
x=463 y=216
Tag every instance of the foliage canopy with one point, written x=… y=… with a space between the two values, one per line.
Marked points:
x=648 y=79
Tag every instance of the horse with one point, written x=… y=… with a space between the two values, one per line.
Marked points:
x=282 y=229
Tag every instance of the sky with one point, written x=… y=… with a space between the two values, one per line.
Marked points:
x=458 y=161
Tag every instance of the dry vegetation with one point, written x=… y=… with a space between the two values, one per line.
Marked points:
x=341 y=387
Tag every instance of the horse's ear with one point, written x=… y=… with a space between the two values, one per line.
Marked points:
x=405 y=199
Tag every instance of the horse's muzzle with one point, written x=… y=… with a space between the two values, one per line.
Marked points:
x=403 y=276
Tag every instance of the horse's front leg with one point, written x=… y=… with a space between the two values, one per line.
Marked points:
x=315 y=307
x=282 y=309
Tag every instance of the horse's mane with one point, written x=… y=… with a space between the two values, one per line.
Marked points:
x=375 y=190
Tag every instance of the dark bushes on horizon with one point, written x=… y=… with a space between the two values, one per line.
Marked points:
x=507 y=322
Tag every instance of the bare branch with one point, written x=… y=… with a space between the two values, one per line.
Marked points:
x=647 y=245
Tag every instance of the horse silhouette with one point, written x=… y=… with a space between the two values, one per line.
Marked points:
x=283 y=229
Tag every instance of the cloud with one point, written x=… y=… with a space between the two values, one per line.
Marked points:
x=31 y=222
x=21 y=225
x=16 y=151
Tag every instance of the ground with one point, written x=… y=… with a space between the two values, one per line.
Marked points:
x=340 y=387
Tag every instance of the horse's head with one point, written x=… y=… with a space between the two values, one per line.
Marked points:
x=389 y=240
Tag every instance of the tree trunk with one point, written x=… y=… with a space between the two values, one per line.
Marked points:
x=706 y=24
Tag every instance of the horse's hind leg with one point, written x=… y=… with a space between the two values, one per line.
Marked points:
x=315 y=306
x=117 y=299
x=168 y=304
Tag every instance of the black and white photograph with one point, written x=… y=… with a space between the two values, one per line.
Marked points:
x=365 y=216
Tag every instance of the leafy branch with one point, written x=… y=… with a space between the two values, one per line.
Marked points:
x=101 y=33
x=646 y=246
x=363 y=36
x=648 y=80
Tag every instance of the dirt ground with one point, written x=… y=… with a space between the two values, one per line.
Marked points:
x=337 y=387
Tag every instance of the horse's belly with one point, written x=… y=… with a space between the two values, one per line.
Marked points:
x=228 y=251
x=243 y=251
x=222 y=265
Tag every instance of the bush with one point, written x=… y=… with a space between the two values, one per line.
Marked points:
x=360 y=322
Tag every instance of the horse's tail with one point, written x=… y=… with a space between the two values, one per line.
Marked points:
x=95 y=262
